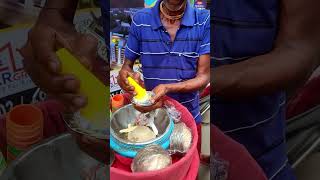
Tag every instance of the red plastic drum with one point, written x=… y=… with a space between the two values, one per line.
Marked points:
x=185 y=168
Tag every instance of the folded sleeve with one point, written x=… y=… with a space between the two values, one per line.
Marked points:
x=205 y=42
x=132 y=51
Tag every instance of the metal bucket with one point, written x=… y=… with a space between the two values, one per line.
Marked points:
x=57 y=158
x=126 y=115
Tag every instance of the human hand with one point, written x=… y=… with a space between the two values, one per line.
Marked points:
x=157 y=100
x=123 y=81
x=43 y=66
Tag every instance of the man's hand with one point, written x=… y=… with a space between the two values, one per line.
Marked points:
x=160 y=91
x=143 y=109
x=53 y=30
x=124 y=73
x=43 y=66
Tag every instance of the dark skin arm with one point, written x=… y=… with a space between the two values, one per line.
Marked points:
x=124 y=73
x=201 y=80
x=54 y=28
x=295 y=56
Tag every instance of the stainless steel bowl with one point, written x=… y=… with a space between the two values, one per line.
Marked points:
x=146 y=103
x=151 y=158
x=81 y=126
x=180 y=139
x=58 y=158
x=127 y=114
x=94 y=142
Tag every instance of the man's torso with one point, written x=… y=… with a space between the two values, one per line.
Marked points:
x=165 y=61
x=244 y=29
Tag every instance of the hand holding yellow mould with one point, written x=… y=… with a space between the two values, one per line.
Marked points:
x=95 y=109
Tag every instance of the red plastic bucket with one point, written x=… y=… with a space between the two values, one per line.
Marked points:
x=184 y=169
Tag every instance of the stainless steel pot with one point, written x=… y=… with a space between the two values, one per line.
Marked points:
x=127 y=114
x=58 y=158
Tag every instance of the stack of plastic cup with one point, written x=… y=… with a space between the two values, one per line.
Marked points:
x=24 y=125
x=117 y=102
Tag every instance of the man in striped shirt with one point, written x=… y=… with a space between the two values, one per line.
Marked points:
x=172 y=41
x=261 y=49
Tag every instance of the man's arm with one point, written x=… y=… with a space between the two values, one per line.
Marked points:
x=295 y=56
x=128 y=65
x=53 y=29
x=125 y=72
x=202 y=78
x=132 y=53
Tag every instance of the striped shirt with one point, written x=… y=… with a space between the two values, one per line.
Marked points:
x=244 y=29
x=164 y=61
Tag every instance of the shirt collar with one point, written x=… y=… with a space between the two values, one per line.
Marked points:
x=188 y=18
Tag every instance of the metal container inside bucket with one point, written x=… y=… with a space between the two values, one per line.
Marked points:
x=58 y=158
x=98 y=137
x=82 y=126
x=127 y=115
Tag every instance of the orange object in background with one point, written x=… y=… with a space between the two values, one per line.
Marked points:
x=117 y=102
x=24 y=124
